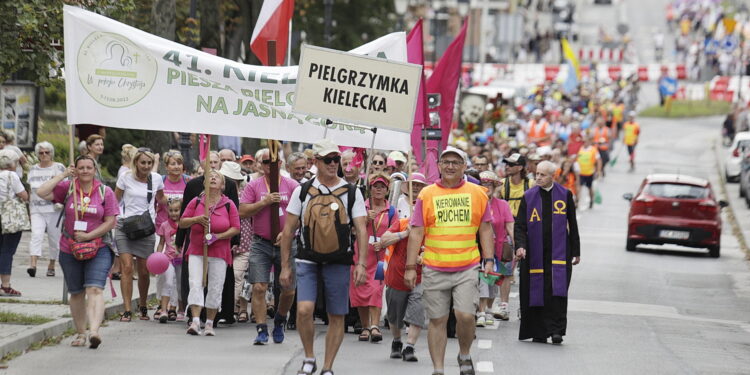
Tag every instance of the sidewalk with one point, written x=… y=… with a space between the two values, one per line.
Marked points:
x=42 y=296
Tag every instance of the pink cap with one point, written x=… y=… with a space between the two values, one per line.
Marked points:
x=390 y=163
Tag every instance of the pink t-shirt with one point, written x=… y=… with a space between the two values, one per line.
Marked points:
x=94 y=214
x=500 y=215
x=168 y=230
x=172 y=190
x=223 y=215
x=255 y=190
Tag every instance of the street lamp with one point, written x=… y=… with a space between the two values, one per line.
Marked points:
x=463 y=8
x=401 y=7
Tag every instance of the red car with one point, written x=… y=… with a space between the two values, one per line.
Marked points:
x=675 y=209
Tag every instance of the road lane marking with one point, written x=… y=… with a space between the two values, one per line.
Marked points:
x=646 y=310
x=485 y=366
x=484 y=344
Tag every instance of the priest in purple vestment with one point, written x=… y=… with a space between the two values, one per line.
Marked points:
x=546 y=234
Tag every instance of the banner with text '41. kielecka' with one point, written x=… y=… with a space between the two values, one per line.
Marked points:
x=123 y=77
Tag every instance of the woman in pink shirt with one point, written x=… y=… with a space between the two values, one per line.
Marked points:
x=90 y=211
x=502 y=224
x=222 y=223
x=368 y=297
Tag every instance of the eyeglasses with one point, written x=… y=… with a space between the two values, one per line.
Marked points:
x=452 y=163
x=266 y=161
x=44 y=153
x=331 y=159
x=378 y=162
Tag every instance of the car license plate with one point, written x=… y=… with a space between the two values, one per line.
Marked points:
x=674 y=234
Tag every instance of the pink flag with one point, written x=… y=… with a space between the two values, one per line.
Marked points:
x=429 y=168
x=204 y=146
x=273 y=24
x=415 y=55
x=444 y=81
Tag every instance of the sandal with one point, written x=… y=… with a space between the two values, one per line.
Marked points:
x=80 y=340
x=365 y=335
x=157 y=314
x=126 y=316
x=172 y=315
x=144 y=313
x=242 y=317
x=306 y=363
x=94 y=341
x=51 y=272
x=375 y=337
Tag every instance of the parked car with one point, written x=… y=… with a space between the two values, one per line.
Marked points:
x=675 y=209
x=745 y=175
x=606 y=2
x=740 y=142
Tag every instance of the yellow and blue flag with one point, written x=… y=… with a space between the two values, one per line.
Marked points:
x=574 y=70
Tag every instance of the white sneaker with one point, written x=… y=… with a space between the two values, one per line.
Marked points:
x=504 y=313
x=209 y=331
x=488 y=319
x=481 y=321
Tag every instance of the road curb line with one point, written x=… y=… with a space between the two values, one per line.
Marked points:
x=56 y=327
x=736 y=229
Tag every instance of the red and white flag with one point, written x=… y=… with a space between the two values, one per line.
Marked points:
x=273 y=24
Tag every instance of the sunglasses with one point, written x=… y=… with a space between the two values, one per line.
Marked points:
x=331 y=159
x=266 y=161
x=378 y=162
x=144 y=149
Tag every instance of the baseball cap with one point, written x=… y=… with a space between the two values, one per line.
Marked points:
x=489 y=176
x=418 y=178
x=397 y=156
x=382 y=179
x=231 y=170
x=245 y=158
x=453 y=150
x=535 y=157
x=515 y=159
x=324 y=147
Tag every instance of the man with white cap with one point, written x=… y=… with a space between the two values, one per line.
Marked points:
x=256 y=202
x=324 y=251
x=447 y=217
x=538 y=130
x=400 y=160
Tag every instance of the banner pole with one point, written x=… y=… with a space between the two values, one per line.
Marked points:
x=206 y=186
x=71 y=160
x=409 y=182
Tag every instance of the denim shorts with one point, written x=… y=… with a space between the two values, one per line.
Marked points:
x=81 y=274
x=263 y=255
x=335 y=279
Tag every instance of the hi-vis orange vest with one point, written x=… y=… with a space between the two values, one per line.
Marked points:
x=538 y=130
x=451 y=222
x=601 y=138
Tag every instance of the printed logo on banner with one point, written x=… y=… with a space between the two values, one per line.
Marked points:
x=115 y=71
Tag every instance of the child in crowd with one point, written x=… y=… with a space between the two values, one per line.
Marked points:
x=166 y=283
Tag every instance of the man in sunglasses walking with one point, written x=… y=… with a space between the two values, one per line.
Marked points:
x=329 y=211
x=256 y=202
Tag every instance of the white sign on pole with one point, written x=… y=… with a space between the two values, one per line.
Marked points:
x=357 y=89
x=119 y=76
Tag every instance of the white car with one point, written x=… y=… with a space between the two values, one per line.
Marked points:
x=734 y=156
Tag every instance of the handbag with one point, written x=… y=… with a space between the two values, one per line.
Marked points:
x=140 y=226
x=15 y=213
x=507 y=255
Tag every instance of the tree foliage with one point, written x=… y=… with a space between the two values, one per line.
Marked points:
x=30 y=28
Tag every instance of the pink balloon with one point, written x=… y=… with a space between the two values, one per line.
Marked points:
x=157 y=263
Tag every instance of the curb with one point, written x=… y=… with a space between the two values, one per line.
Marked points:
x=736 y=228
x=54 y=328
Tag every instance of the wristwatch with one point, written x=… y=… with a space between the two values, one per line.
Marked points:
x=411 y=267
x=489 y=259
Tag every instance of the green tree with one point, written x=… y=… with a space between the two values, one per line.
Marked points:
x=31 y=31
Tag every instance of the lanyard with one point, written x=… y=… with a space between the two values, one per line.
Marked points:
x=85 y=200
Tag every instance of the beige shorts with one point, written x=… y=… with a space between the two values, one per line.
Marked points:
x=440 y=286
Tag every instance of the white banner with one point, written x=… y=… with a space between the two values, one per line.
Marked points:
x=122 y=77
x=357 y=89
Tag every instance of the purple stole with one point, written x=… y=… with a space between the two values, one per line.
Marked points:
x=535 y=251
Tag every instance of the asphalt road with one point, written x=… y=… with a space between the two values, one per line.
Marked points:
x=658 y=310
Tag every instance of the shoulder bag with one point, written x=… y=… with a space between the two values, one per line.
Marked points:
x=140 y=226
x=15 y=213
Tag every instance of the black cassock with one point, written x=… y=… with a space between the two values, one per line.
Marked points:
x=542 y=322
x=193 y=189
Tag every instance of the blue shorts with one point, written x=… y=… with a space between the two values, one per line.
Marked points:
x=587 y=181
x=262 y=257
x=335 y=285
x=82 y=274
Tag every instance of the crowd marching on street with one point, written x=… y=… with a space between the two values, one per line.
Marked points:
x=357 y=234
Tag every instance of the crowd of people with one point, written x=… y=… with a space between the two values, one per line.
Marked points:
x=375 y=235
